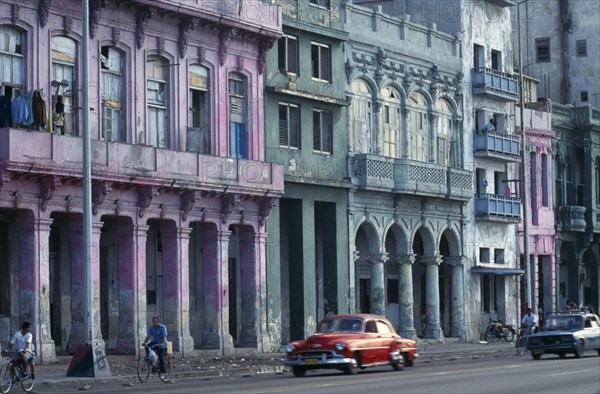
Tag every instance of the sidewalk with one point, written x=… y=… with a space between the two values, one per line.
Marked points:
x=123 y=368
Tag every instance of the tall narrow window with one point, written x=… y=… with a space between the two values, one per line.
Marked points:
x=545 y=191
x=198 y=137
x=533 y=188
x=111 y=66
x=64 y=81
x=581 y=46
x=12 y=65
x=478 y=57
x=157 y=101
x=542 y=50
x=288 y=54
x=444 y=133
x=390 y=120
x=496 y=60
x=237 y=116
x=321 y=61
x=597 y=171
x=289 y=125
x=417 y=127
x=322 y=131
x=361 y=116
x=584 y=96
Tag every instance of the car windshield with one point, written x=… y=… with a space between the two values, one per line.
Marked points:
x=555 y=323
x=342 y=324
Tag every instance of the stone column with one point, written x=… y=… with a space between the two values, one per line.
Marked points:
x=140 y=238
x=457 y=303
x=130 y=303
x=407 y=319
x=404 y=130
x=95 y=272
x=34 y=282
x=176 y=289
x=253 y=289
x=557 y=301
x=432 y=296
x=378 y=283
x=431 y=156
x=77 y=333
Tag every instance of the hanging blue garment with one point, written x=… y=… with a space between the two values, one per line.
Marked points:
x=29 y=104
x=19 y=110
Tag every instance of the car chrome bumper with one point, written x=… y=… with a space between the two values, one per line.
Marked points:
x=295 y=361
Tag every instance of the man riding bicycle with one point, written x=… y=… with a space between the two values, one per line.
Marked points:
x=22 y=341
x=529 y=321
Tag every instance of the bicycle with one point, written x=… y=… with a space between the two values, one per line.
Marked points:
x=521 y=344
x=149 y=364
x=13 y=372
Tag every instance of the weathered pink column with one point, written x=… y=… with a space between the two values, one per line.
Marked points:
x=78 y=312
x=34 y=282
x=176 y=288
x=253 y=294
x=138 y=261
x=128 y=339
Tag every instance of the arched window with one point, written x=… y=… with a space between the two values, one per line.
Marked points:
x=113 y=91
x=12 y=64
x=544 y=176
x=157 y=88
x=238 y=101
x=64 y=85
x=198 y=138
x=417 y=127
x=390 y=121
x=446 y=143
x=361 y=116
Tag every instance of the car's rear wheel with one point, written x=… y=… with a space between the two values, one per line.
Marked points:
x=407 y=361
x=397 y=365
x=299 y=371
x=562 y=354
x=352 y=367
x=536 y=356
x=579 y=349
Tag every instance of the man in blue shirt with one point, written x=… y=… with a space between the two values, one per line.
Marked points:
x=157 y=332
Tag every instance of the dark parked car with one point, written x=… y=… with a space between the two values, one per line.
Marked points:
x=349 y=342
x=566 y=333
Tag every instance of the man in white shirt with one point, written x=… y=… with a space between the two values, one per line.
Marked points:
x=22 y=345
x=529 y=320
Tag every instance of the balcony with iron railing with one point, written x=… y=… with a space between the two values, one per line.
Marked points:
x=570 y=218
x=35 y=153
x=493 y=207
x=496 y=145
x=495 y=84
x=379 y=173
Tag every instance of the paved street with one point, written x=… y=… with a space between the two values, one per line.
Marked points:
x=506 y=373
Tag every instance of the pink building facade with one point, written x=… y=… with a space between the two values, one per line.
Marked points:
x=181 y=189
x=542 y=235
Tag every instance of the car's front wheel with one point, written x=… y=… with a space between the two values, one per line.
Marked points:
x=398 y=364
x=536 y=356
x=299 y=371
x=352 y=367
x=407 y=361
x=579 y=349
x=562 y=354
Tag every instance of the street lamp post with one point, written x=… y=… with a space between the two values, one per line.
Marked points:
x=524 y=183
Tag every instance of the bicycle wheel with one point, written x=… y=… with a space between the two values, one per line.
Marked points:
x=27 y=383
x=521 y=345
x=167 y=374
x=6 y=378
x=490 y=334
x=143 y=369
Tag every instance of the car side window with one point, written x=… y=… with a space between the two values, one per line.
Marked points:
x=370 y=327
x=383 y=328
x=594 y=323
x=588 y=323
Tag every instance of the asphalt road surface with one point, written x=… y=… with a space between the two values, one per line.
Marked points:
x=502 y=375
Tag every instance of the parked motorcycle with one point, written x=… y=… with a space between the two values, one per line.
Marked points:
x=496 y=331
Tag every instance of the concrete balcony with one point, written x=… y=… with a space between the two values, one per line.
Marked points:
x=495 y=84
x=492 y=207
x=38 y=153
x=403 y=176
x=571 y=218
x=499 y=146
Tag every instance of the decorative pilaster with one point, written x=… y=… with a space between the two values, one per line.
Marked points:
x=141 y=19
x=99 y=191
x=94 y=15
x=407 y=323
x=263 y=49
x=224 y=38
x=47 y=187
x=34 y=282
x=378 y=283
x=44 y=12
x=185 y=28
x=432 y=296
x=457 y=303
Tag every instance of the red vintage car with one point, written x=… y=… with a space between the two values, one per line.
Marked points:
x=350 y=342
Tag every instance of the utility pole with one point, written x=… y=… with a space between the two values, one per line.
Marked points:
x=524 y=178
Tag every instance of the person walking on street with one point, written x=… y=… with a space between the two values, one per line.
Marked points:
x=22 y=344
x=157 y=335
